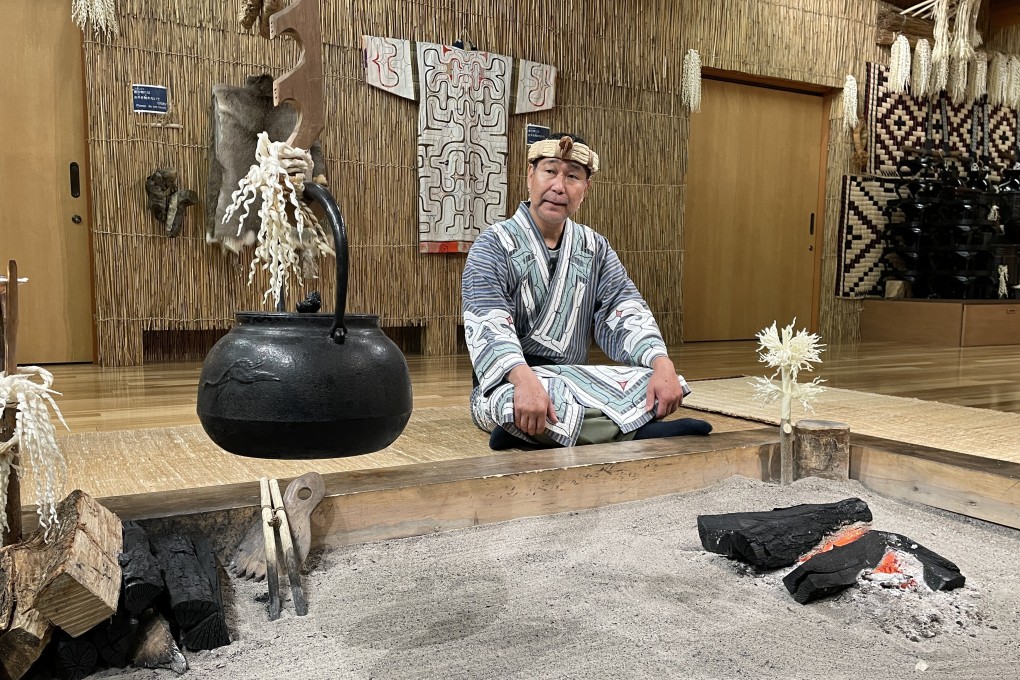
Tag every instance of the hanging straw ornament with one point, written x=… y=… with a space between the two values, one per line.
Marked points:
x=998 y=79
x=962 y=47
x=284 y=250
x=850 y=119
x=921 y=75
x=940 y=51
x=957 y=81
x=34 y=437
x=1012 y=99
x=1003 y=281
x=975 y=35
x=690 y=89
x=977 y=85
x=939 y=78
x=899 y=65
x=102 y=13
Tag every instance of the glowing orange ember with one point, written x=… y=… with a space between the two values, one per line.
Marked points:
x=893 y=565
x=843 y=537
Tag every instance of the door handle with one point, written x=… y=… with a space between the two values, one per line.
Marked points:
x=811 y=227
x=75 y=181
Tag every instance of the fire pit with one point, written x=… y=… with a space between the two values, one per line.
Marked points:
x=832 y=545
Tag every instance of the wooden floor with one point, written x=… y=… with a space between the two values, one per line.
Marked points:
x=145 y=478
x=103 y=399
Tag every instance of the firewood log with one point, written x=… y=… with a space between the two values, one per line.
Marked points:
x=6 y=588
x=211 y=632
x=28 y=631
x=156 y=646
x=776 y=538
x=115 y=638
x=76 y=658
x=191 y=594
x=142 y=579
x=82 y=580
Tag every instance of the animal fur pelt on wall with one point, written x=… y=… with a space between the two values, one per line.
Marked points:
x=239 y=114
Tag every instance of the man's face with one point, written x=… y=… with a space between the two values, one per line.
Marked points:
x=556 y=189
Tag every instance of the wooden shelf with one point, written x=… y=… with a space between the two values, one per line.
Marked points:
x=945 y=323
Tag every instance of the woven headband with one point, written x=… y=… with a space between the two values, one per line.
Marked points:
x=566 y=149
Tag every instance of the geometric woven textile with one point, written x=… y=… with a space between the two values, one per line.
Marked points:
x=860 y=234
x=898 y=120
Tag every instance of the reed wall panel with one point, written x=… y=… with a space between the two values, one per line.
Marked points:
x=619 y=82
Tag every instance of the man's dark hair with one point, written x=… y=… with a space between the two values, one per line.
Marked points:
x=557 y=136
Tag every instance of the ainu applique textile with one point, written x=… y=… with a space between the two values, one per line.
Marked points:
x=861 y=222
x=515 y=306
x=898 y=120
x=464 y=100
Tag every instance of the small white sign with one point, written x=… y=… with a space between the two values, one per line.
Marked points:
x=150 y=99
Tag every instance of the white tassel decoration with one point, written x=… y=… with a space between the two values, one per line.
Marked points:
x=961 y=48
x=899 y=65
x=34 y=436
x=102 y=13
x=998 y=79
x=690 y=89
x=940 y=51
x=939 y=79
x=1013 y=84
x=1003 y=281
x=975 y=35
x=284 y=249
x=957 y=82
x=921 y=76
x=977 y=86
x=850 y=119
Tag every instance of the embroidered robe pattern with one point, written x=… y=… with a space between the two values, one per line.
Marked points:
x=464 y=99
x=514 y=305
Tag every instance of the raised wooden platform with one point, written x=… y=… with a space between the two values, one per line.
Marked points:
x=379 y=504
x=947 y=323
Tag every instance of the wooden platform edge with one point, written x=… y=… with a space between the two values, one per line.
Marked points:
x=385 y=503
x=377 y=504
x=976 y=487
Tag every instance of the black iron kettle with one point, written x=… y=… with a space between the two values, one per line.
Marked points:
x=289 y=385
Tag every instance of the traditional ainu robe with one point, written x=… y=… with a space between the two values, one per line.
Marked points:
x=465 y=98
x=515 y=307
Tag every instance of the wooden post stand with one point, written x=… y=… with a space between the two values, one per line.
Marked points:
x=8 y=348
x=821 y=449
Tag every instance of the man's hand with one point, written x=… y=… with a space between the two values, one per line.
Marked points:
x=532 y=405
x=664 y=387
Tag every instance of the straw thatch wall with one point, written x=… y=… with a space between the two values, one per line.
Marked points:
x=619 y=81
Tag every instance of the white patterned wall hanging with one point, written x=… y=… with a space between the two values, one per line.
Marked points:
x=464 y=99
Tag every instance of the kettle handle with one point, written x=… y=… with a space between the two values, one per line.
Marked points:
x=317 y=192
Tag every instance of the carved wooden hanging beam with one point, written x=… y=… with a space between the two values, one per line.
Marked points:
x=302 y=85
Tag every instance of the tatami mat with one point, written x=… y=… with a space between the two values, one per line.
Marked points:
x=172 y=458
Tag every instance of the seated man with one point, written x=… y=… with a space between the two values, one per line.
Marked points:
x=536 y=288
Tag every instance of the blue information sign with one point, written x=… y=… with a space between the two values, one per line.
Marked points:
x=535 y=133
x=150 y=99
